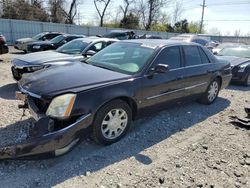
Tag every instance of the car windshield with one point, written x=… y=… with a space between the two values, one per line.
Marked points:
x=38 y=36
x=57 y=39
x=73 y=47
x=128 y=58
x=225 y=45
x=238 y=52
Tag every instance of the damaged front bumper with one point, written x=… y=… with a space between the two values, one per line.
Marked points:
x=242 y=122
x=44 y=140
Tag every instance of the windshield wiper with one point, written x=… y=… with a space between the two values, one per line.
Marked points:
x=84 y=61
x=102 y=67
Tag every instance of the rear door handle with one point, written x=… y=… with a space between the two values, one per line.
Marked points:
x=209 y=71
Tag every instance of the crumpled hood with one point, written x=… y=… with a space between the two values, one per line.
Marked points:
x=234 y=61
x=73 y=77
x=45 y=57
x=25 y=40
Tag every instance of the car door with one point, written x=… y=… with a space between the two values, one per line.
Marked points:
x=163 y=87
x=197 y=71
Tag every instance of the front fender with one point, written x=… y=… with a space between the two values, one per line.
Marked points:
x=90 y=101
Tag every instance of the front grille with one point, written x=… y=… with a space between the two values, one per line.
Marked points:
x=41 y=104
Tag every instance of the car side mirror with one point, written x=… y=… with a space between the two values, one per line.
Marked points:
x=215 y=53
x=89 y=53
x=161 y=68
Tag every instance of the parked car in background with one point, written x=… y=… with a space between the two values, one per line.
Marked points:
x=192 y=38
x=74 y=50
x=240 y=69
x=3 y=45
x=22 y=44
x=145 y=36
x=107 y=92
x=52 y=44
x=242 y=51
x=239 y=57
x=120 y=34
x=225 y=45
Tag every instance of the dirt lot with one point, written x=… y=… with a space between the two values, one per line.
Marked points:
x=188 y=145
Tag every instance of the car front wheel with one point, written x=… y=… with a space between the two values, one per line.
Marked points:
x=112 y=121
x=211 y=93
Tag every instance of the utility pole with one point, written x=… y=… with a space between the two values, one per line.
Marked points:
x=202 y=15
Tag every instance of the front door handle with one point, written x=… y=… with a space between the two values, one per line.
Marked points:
x=209 y=71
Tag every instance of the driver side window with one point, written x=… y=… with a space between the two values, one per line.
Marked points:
x=97 y=46
x=170 y=56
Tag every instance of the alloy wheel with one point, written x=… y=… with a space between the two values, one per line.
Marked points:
x=213 y=91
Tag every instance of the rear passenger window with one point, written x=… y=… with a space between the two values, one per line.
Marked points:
x=192 y=55
x=204 y=57
x=170 y=56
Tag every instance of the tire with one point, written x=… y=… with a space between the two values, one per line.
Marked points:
x=211 y=93
x=1 y=49
x=107 y=132
x=247 y=81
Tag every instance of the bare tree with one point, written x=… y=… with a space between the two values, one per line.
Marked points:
x=125 y=7
x=237 y=33
x=177 y=12
x=149 y=11
x=56 y=11
x=102 y=12
x=72 y=11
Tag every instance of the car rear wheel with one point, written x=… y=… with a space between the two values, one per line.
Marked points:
x=211 y=93
x=247 y=81
x=112 y=121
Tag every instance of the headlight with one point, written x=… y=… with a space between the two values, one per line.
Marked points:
x=61 y=106
x=36 y=47
x=35 y=68
x=242 y=67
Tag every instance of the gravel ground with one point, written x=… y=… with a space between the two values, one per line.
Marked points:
x=187 y=145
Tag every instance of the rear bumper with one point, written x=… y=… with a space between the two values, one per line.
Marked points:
x=44 y=141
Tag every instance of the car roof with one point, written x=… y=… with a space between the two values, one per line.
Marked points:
x=159 y=42
x=120 y=31
x=73 y=35
x=96 y=39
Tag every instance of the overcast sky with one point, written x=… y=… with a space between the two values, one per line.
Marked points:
x=224 y=15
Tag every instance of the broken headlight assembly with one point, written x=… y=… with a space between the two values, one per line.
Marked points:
x=61 y=106
x=243 y=67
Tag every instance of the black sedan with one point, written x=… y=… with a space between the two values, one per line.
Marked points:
x=239 y=57
x=52 y=44
x=107 y=91
x=22 y=44
x=75 y=50
x=3 y=45
x=240 y=69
